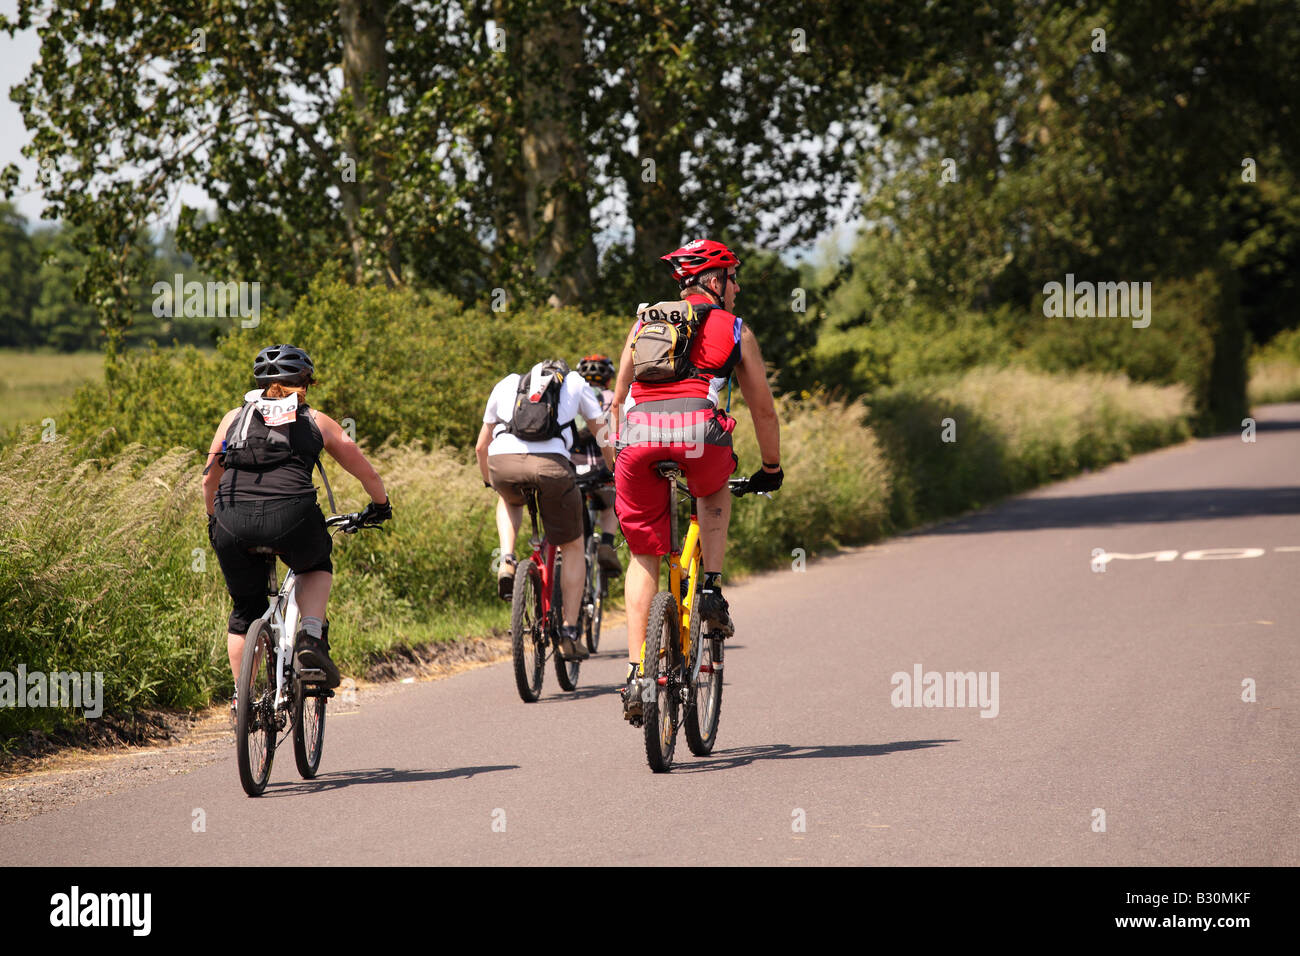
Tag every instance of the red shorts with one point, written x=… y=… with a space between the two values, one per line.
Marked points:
x=641 y=500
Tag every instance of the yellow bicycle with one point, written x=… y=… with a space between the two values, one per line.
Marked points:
x=681 y=661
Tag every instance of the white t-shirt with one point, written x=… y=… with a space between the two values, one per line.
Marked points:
x=576 y=398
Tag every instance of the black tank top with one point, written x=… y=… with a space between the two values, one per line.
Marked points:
x=293 y=479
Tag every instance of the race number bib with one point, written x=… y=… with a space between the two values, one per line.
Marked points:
x=278 y=411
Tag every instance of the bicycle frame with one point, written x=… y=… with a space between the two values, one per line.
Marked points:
x=282 y=619
x=543 y=555
x=684 y=560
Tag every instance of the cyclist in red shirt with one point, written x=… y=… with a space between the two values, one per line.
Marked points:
x=680 y=420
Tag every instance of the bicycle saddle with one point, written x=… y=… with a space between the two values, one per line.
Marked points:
x=668 y=469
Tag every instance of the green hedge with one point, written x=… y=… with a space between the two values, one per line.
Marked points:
x=404 y=366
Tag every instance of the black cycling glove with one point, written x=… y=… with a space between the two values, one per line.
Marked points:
x=376 y=514
x=762 y=480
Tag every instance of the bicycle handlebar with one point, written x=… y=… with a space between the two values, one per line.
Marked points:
x=348 y=523
x=740 y=487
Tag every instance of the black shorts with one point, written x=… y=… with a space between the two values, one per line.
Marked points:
x=294 y=527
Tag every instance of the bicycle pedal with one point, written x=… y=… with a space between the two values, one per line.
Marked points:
x=311 y=675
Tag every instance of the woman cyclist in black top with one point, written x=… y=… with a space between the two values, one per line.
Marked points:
x=258 y=490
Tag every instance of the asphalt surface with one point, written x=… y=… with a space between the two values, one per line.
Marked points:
x=1119 y=702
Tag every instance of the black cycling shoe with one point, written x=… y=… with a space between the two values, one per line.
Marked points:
x=633 y=708
x=312 y=653
x=572 y=646
x=715 y=613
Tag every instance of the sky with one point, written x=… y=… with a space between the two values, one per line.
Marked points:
x=16 y=58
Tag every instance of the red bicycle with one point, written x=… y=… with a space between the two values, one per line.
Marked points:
x=536 y=618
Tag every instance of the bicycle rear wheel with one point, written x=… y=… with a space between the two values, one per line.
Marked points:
x=662 y=666
x=527 y=632
x=255 y=730
x=566 y=672
x=308 y=730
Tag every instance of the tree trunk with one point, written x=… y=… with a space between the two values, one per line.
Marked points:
x=558 y=214
x=365 y=74
x=655 y=193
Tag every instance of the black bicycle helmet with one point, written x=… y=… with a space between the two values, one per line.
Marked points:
x=284 y=364
x=597 y=369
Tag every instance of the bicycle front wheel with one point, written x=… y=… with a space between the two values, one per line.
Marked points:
x=255 y=729
x=705 y=706
x=662 y=666
x=308 y=730
x=528 y=632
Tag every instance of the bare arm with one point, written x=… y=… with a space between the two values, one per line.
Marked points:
x=213 y=471
x=622 y=385
x=600 y=428
x=752 y=377
x=481 y=450
x=346 y=452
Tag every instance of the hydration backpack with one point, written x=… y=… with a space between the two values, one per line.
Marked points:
x=537 y=417
x=259 y=442
x=661 y=349
x=258 y=438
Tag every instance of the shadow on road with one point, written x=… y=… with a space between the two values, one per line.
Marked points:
x=744 y=756
x=1026 y=514
x=582 y=693
x=348 y=778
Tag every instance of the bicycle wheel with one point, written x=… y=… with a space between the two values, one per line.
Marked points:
x=255 y=729
x=527 y=632
x=594 y=598
x=662 y=665
x=706 y=700
x=566 y=672
x=308 y=730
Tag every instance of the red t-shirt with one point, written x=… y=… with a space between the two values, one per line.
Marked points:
x=715 y=351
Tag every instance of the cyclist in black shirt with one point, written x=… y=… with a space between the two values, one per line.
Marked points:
x=258 y=490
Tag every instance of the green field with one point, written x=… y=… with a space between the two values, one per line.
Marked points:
x=34 y=385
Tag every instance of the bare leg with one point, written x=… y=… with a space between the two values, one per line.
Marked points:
x=313 y=593
x=235 y=648
x=573 y=574
x=509 y=517
x=639 y=590
x=608 y=522
x=715 y=517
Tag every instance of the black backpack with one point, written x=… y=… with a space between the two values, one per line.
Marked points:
x=252 y=445
x=539 y=420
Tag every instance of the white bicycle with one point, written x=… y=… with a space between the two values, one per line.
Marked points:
x=273 y=693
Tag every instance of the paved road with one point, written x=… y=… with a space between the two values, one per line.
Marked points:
x=1117 y=692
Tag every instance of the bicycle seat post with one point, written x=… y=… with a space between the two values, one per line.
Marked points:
x=530 y=498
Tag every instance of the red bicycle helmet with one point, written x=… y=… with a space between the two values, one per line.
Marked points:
x=699 y=256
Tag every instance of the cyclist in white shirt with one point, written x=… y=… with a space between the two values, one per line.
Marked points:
x=527 y=435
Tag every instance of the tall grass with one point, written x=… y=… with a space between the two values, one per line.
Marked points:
x=1012 y=429
x=1275 y=370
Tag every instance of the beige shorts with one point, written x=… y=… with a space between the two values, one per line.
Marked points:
x=557 y=493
